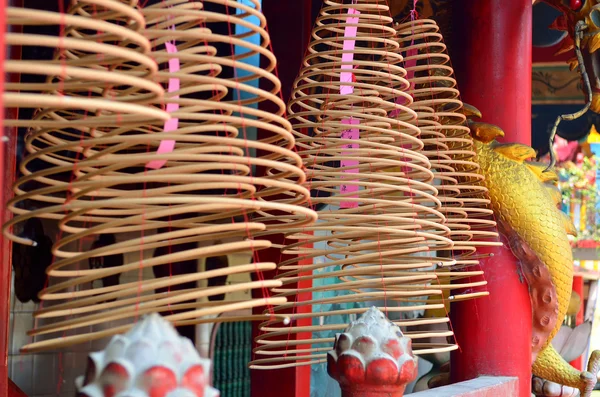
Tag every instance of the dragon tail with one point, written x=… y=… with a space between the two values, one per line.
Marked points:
x=550 y=365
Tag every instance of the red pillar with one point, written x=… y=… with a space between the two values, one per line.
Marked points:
x=290 y=24
x=295 y=381
x=5 y=266
x=492 y=60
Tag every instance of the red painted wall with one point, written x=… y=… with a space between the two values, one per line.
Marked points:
x=8 y=151
x=5 y=264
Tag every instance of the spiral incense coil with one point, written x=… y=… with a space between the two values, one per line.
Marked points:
x=378 y=241
x=94 y=85
x=197 y=203
x=449 y=145
x=85 y=70
x=191 y=120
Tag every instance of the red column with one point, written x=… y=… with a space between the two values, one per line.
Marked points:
x=289 y=25
x=492 y=61
x=5 y=267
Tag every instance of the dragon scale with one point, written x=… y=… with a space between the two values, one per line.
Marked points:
x=521 y=201
x=525 y=202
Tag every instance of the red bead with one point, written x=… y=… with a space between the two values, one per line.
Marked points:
x=352 y=369
x=575 y=4
x=195 y=380
x=382 y=371
x=158 y=381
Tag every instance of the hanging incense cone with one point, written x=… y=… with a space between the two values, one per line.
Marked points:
x=448 y=144
x=383 y=233
x=75 y=97
x=372 y=358
x=380 y=211
x=183 y=187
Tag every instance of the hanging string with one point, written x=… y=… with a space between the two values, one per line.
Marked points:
x=413 y=13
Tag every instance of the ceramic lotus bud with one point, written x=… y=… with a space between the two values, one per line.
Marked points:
x=372 y=357
x=150 y=360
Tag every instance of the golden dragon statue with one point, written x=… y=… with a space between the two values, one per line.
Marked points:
x=526 y=202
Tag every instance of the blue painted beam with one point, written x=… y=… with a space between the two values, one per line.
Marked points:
x=250 y=133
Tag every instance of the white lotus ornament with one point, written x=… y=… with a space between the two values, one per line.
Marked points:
x=150 y=360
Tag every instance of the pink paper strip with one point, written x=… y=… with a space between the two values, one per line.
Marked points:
x=353 y=133
x=347 y=57
x=172 y=124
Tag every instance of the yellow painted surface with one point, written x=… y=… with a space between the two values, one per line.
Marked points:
x=521 y=201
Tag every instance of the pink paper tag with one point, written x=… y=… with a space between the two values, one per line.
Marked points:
x=347 y=57
x=353 y=133
x=171 y=124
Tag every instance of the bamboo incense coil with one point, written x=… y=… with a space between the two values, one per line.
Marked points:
x=85 y=70
x=449 y=145
x=199 y=203
x=94 y=85
x=380 y=241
